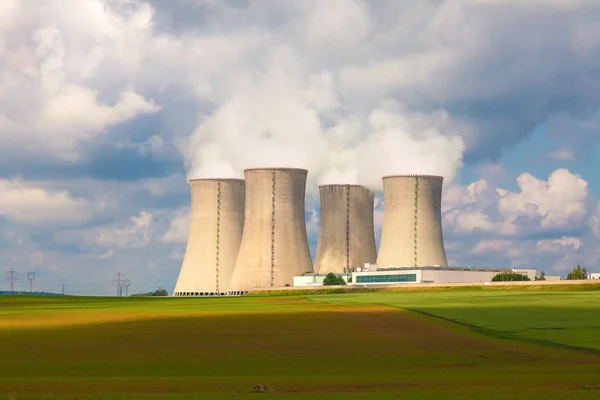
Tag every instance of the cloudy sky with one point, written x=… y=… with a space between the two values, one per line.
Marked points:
x=108 y=106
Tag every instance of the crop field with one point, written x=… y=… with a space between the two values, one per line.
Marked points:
x=396 y=344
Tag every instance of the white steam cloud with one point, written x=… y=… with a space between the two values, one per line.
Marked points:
x=296 y=108
x=298 y=121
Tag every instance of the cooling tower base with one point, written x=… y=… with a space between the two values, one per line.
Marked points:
x=199 y=294
x=237 y=293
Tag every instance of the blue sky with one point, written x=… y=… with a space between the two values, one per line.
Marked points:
x=107 y=107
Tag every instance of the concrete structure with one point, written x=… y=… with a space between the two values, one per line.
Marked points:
x=371 y=274
x=314 y=279
x=530 y=273
x=346 y=233
x=274 y=245
x=412 y=222
x=553 y=277
x=217 y=220
x=595 y=275
x=423 y=274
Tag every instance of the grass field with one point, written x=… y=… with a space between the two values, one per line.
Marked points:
x=441 y=344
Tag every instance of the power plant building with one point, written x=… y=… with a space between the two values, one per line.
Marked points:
x=412 y=222
x=274 y=246
x=215 y=233
x=346 y=233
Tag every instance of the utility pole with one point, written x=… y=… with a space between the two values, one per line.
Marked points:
x=118 y=281
x=63 y=289
x=126 y=283
x=30 y=280
x=11 y=278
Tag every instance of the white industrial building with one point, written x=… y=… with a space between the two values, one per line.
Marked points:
x=315 y=279
x=371 y=275
x=553 y=278
x=530 y=273
x=595 y=275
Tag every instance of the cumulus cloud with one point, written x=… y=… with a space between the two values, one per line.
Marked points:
x=50 y=100
x=136 y=233
x=559 y=245
x=558 y=203
x=548 y=224
x=562 y=154
x=25 y=202
x=349 y=89
x=178 y=229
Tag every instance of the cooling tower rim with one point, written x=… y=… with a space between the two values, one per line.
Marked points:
x=344 y=185
x=276 y=169
x=413 y=176
x=215 y=179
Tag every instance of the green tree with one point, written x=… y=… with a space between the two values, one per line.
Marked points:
x=542 y=276
x=577 y=273
x=510 y=277
x=157 y=292
x=333 y=279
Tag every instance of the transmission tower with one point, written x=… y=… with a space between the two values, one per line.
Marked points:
x=118 y=281
x=11 y=278
x=30 y=280
x=126 y=284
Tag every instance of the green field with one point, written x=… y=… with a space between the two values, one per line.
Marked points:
x=402 y=344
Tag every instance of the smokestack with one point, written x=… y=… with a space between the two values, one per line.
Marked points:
x=346 y=233
x=217 y=221
x=412 y=222
x=274 y=245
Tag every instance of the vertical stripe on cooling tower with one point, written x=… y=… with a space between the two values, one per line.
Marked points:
x=273 y=230
x=347 y=228
x=218 y=235
x=416 y=218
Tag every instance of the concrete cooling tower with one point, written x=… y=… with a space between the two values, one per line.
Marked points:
x=346 y=233
x=274 y=245
x=412 y=222
x=217 y=221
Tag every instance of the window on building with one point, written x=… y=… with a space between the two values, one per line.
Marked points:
x=386 y=278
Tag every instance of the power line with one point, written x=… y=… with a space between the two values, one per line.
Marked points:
x=117 y=280
x=11 y=278
x=30 y=280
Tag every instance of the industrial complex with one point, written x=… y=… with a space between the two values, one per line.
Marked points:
x=251 y=234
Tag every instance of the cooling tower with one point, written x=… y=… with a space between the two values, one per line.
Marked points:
x=216 y=225
x=274 y=245
x=346 y=233
x=412 y=222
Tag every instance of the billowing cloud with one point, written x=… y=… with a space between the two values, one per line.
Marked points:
x=50 y=99
x=25 y=202
x=136 y=233
x=547 y=224
x=558 y=203
x=178 y=229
